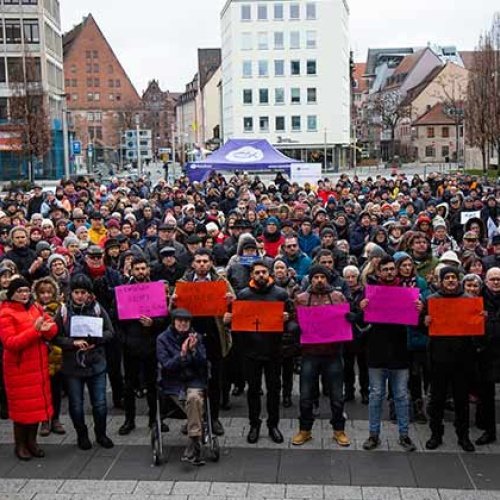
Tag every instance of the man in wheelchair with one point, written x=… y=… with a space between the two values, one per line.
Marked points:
x=184 y=377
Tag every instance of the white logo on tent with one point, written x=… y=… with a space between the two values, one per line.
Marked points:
x=247 y=154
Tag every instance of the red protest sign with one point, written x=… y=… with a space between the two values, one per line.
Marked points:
x=206 y=298
x=265 y=317
x=456 y=317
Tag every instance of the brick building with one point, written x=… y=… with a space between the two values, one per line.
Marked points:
x=159 y=114
x=101 y=98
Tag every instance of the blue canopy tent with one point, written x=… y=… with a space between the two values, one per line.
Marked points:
x=240 y=154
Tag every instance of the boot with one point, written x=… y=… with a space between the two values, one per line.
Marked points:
x=83 y=438
x=31 y=444
x=20 y=439
x=45 y=429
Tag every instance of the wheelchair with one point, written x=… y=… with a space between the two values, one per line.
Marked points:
x=167 y=408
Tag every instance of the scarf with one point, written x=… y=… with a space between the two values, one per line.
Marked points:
x=97 y=272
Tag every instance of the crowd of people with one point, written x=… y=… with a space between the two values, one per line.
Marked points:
x=63 y=253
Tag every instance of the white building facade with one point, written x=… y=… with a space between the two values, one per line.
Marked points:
x=285 y=76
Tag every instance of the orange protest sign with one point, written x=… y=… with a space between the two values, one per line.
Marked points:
x=206 y=298
x=456 y=317
x=265 y=317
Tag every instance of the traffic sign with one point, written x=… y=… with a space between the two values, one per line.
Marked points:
x=77 y=148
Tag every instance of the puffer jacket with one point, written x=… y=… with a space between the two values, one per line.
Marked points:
x=26 y=363
x=489 y=351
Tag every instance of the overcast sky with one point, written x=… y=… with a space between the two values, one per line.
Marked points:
x=159 y=38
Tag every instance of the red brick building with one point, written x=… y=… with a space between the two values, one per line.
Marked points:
x=101 y=98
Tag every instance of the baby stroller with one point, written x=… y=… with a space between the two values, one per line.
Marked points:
x=168 y=408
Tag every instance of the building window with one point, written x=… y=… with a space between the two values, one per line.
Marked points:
x=296 y=123
x=445 y=152
x=15 y=69
x=12 y=31
x=312 y=95
x=294 y=11
x=311 y=11
x=4 y=115
x=74 y=82
x=262 y=12
x=279 y=40
x=279 y=67
x=278 y=12
x=311 y=39
x=88 y=54
x=88 y=68
x=295 y=96
x=90 y=96
x=97 y=96
x=295 y=68
x=111 y=97
x=312 y=123
x=263 y=68
x=118 y=84
x=246 y=41
x=279 y=123
x=248 y=124
x=98 y=116
x=445 y=132
x=31 y=31
x=430 y=133
x=263 y=96
x=247 y=69
x=96 y=68
x=279 y=95
x=246 y=12
x=111 y=83
x=430 y=152
x=264 y=123
x=97 y=82
x=262 y=40
x=74 y=97
x=90 y=82
x=295 y=39
x=3 y=75
x=247 y=96
x=90 y=116
x=311 y=67
x=95 y=54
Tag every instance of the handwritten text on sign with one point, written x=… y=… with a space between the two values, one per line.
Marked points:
x=206 y=298
x=141 y=299
x=324 y=324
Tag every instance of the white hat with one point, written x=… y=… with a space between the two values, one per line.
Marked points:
x=2 y=214
x=450 y=256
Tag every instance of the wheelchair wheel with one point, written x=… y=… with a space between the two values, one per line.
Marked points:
x=215 y=449
x=156 y=445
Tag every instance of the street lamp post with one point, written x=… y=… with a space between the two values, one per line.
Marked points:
x=139 y=159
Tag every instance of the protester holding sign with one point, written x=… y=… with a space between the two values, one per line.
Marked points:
x=262 y=353
x=388 y=360
x=324 y=359
x=84 y=358
x=451 y=364
x=139 y=350
x=215 y=337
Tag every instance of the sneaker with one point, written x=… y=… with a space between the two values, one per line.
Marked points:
x=486 y=438
x=371 y=443
x=406 y=443
x=301 y=437
x=189 y=452
x=126 y=428
x=340 y=437
x=45 y=429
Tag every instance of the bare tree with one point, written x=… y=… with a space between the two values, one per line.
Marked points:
x=28 y=109
x=386 y=110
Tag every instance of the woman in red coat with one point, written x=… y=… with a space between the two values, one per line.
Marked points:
x=24 y=332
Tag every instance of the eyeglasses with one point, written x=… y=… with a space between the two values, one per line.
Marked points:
x=94 y=257
x=293 y=245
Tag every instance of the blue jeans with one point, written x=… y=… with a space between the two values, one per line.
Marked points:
x=399 y=385
x=332 y=374
x=96 y=386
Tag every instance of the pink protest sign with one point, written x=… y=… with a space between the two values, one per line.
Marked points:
x=324 y=324
x=392 y=305
x=141 y=299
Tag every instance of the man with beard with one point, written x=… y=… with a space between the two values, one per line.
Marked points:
x=323 y=360
x=138 y=338
x=451 y=364
x=166 y=238
x=489 y=356
x=420 y=252
x=388 y=361
x=262 y=353
x=168 y=269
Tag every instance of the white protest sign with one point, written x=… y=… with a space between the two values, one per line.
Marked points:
x=466 y=216
x=305 y=172
x=86 y=326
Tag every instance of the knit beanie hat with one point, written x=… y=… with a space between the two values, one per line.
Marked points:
x=41 y=246
x=273 y=220
x=317 y=269
x=55 y=257
x=400 y=256
x=15 y=284
x=448 y=270
x=81 y=282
